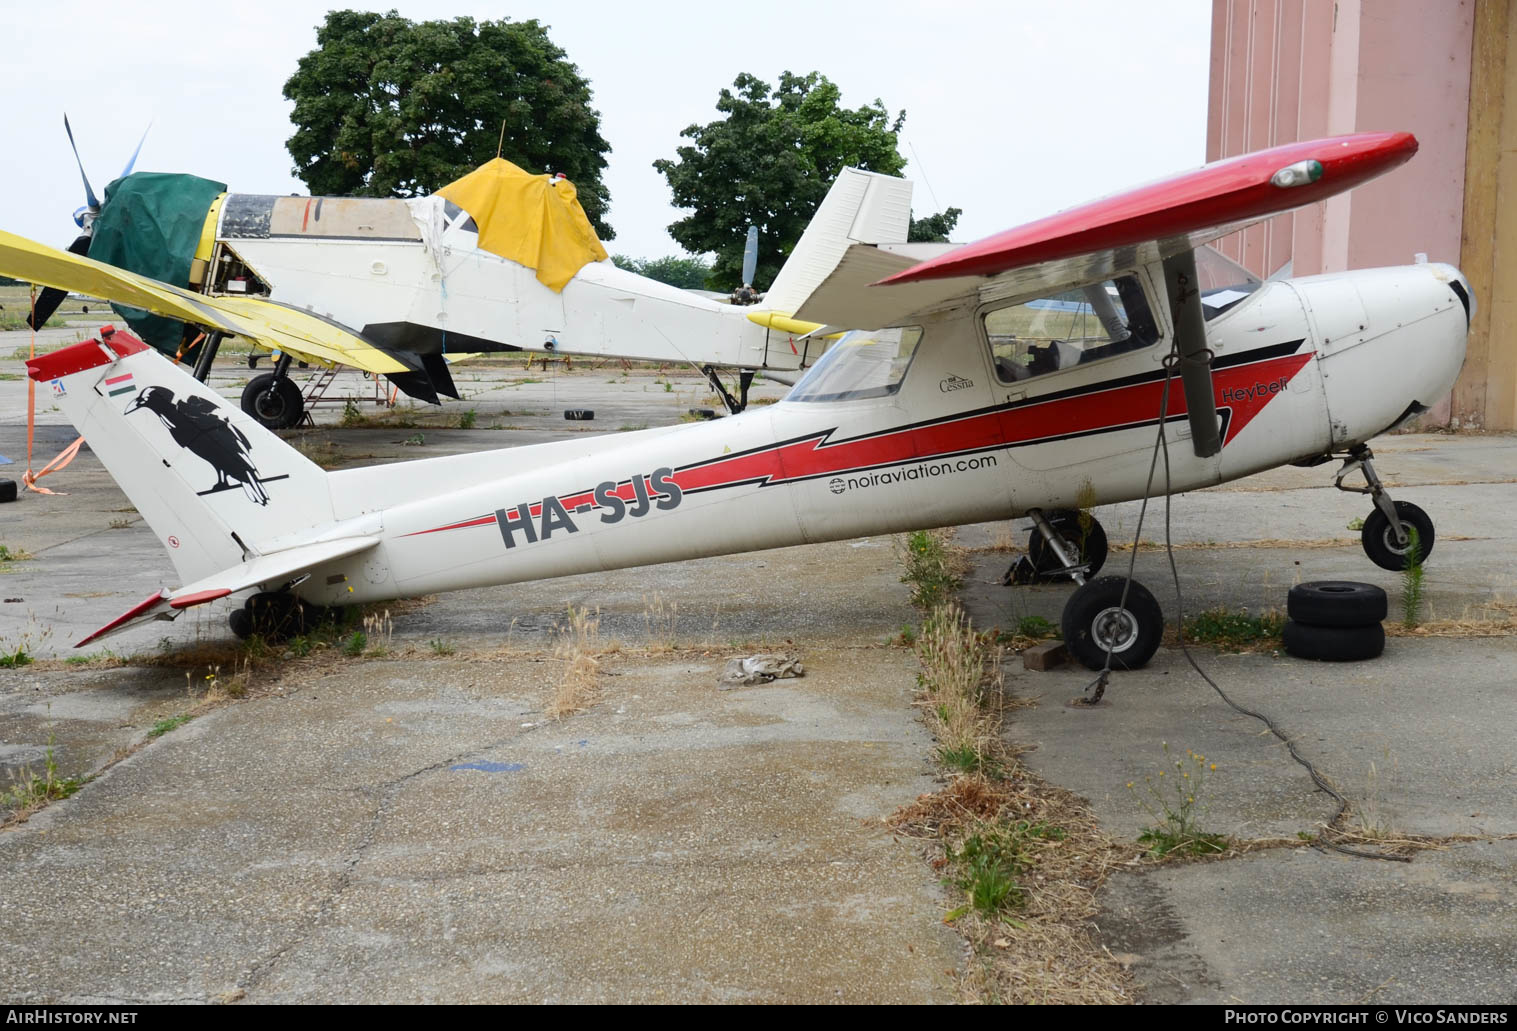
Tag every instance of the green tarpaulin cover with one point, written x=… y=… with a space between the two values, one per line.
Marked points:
x=150 y=223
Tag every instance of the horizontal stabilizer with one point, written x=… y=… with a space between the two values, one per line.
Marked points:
x=274 y=570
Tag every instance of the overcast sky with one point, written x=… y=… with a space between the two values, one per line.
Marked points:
x=1014 y=109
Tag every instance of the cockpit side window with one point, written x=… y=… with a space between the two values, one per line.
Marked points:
x=1073 y=327
x=861 y=364
x=451 y=213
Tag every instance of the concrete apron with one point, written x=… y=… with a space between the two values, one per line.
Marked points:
x=1420 y=739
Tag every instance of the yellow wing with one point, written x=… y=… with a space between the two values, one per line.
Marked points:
x=265 y=323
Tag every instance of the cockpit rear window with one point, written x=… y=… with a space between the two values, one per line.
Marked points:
x=458 y=218
x=862 y=364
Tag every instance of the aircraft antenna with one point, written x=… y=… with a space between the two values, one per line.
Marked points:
x=501 y=143
x=925 y=181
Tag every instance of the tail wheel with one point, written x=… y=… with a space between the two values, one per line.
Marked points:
x=1086 y=540
x=1379 y=537
x=1097 y=620
x=275 y=401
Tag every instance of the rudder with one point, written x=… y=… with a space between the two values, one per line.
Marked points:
x=213 y=484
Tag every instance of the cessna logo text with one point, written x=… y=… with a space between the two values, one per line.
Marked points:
x=955 y=383
x=839 y=484
x=617 y=501
x=1256 y=390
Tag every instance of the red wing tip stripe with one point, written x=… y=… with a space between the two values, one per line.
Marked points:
x=147 y=604
x=198 y=598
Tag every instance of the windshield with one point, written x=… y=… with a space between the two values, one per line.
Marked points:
x=1224 y=282
x=862 y=364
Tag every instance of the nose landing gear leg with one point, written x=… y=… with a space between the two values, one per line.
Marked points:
x=1387 y=533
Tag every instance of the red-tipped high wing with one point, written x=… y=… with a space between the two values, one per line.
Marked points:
x=1186 y=210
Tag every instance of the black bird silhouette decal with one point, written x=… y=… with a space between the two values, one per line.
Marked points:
x=196 y=426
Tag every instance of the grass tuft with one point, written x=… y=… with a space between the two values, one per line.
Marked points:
x=579 y=646
x=1233 y=631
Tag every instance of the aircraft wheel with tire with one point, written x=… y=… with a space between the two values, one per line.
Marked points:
x=1336 y=603
x=275 y=615
x=241 y=623
x=1379 y=537
x=1333 y=643
x=1096 y=619
x=1089 y=543
x=275 y=401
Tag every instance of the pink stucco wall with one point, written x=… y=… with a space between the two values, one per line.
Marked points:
x=1286 y=70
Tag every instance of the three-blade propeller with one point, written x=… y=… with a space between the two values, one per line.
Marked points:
x=50 y=298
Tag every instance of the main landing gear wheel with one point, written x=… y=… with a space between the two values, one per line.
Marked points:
x=1096 y=620
x=274 y=400
x=276 y=616
x=1380 y=540
x=1087 y=542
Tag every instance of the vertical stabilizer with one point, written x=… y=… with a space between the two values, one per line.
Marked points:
x=211 y=482
x=861 y=207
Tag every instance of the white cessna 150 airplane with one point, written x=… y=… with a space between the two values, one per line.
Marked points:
x=499 y=260
x=1019 y=374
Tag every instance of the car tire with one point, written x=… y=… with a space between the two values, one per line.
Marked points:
x=1333 y=644
x=1095 y=616
x=1336 y=603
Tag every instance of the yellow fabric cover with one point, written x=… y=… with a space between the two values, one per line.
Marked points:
x=526 y=219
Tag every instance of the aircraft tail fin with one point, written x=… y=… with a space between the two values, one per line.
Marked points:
x=214 y=485
x=861 y=207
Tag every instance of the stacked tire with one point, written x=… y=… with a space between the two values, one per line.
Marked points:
x=1335 y=621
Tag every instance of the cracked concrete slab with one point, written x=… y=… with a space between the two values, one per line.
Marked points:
x=416 y=831
x=1419 y=740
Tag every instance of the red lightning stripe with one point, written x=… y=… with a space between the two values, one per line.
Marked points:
x=1243 y=389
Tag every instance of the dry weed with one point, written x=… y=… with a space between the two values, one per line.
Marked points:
x=579 y=647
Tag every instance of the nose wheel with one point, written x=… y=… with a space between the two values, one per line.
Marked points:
x=1388 y=529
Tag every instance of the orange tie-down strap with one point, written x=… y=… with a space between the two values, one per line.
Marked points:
x=29 y=479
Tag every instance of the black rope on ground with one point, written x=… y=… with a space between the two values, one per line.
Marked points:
x=1171 y=361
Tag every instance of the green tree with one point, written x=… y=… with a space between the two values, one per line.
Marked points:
x=685 y=273
x=768 y=162
x=934 y=228
x=385 y=106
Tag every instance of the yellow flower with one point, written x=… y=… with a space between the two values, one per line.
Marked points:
x=1214 y=766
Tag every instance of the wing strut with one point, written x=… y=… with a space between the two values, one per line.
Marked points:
x=1195 y=360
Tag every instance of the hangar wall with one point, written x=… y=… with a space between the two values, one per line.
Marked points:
x=1286 y=70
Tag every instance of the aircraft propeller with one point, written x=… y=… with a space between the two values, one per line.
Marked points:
x=51 y=297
